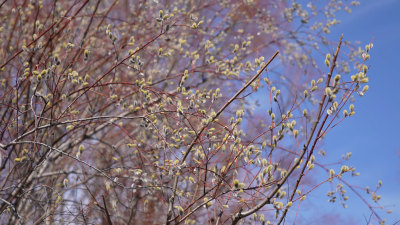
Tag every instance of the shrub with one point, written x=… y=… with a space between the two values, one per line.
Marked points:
x=171 y=112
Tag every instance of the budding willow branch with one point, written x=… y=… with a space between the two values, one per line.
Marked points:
x=267 y=200
x=171 y=201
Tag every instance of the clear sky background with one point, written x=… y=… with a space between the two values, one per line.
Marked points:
x=373 y=134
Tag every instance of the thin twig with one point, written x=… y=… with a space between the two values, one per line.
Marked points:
x=106 y=210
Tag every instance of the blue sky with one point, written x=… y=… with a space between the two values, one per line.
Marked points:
x=373 y=133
